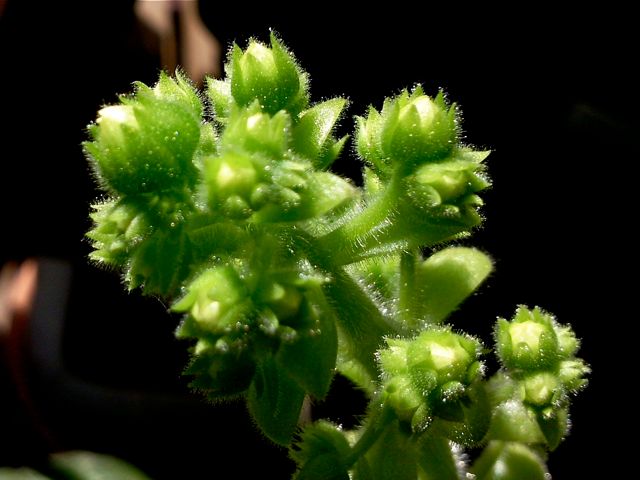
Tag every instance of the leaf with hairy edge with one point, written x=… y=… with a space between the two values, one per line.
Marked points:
x=446 y=279
x=274 y=401
x=438 y=460
x=509 y=461
x=311 y=359
x=312 y=135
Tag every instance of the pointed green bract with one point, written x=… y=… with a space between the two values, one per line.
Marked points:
x=509 y=461
x=274 y=401
x=268 y=74
x=438 y=460
x=312 y=135
x=311 y=359
x=321 y=452
x=147 y=143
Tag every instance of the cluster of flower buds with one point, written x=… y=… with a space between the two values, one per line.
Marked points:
x=144 y=153
x=236 y=220
x=414 y=140
x=147 y=143
x=537 y=350
x=411 y=130
x=259 y=175
x=119 y=227
x=428 y=376
x=239 y=313
x=540 y=372
x=166 y=171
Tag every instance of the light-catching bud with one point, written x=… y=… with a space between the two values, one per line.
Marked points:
x=146 y=144
x=119 y=226
x=269 y=75
x=411 y=130
x=429 y=374
x=533 y=341
x=215 y=300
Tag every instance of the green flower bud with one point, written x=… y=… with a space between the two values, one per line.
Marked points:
x=508 y=460
x=429 y=374
x=146 y=144
x=215 y=300
x=542 y=389
x=283 y=300
x=178 y=90
x=444 y=194
x=401 y=395
x=230 y=180
x=568 y=344
x=419 y=129
x=119 y=227
x=321 y=442
x=368 y=142
x=572 y=372
x=269 y=75
x=411 y=130
x=529 y=341
x=448 y=355
x=256 y=132
x=448 y=182
x=221 y=369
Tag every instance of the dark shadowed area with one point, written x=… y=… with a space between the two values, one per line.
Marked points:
x=552 y=94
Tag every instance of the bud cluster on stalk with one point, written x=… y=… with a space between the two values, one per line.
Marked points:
x=429 y=375
x=284 y=273
x=414 y=143
x=540 y=373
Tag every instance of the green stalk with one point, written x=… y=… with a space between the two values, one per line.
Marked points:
x=406 y=310
x=368 y=232
x=375 y=427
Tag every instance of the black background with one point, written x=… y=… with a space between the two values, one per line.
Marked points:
x=552 y=93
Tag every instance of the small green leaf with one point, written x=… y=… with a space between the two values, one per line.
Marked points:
x=312 y=135
x=221 y=376
x=513 y=421
x=331 y=152
x=392 y=457
x=161 y=263
x=361 y=330
x=447 y=278
x=219 y=92
x=274 y=401
x=311 y=359
x=437 y=459
x=320 y=452
x=554 y=427
x=327 y=191
x=323 y=467
x=509 y=461
x=80 y=465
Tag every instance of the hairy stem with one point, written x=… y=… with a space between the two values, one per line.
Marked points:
x=365 y=234
x=407 y=286
x=378 y=421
